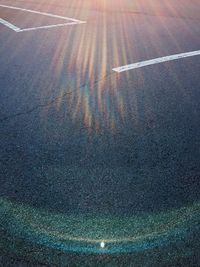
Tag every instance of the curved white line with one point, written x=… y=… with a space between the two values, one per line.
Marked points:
x=156 y=61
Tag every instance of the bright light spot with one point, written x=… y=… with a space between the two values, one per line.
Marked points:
x=102 y=244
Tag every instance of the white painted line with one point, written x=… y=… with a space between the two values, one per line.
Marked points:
x=50 y=26
x=42 y=13
x=156 y=61
x=16 y=29
x=9 y=25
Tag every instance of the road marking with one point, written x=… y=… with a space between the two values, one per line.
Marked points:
x=41 y=13
x=9 y=25
x=49 y=26
x=156 y=61
x=16 y=29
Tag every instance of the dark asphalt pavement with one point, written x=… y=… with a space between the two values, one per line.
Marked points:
x=78 y=138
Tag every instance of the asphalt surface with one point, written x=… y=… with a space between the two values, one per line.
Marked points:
x=77 y=137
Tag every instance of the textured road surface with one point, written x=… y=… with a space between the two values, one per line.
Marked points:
x=78 y=138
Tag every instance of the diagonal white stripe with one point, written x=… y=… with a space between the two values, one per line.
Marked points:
x=156 y=61
x=9 y=25
x=50 y=26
